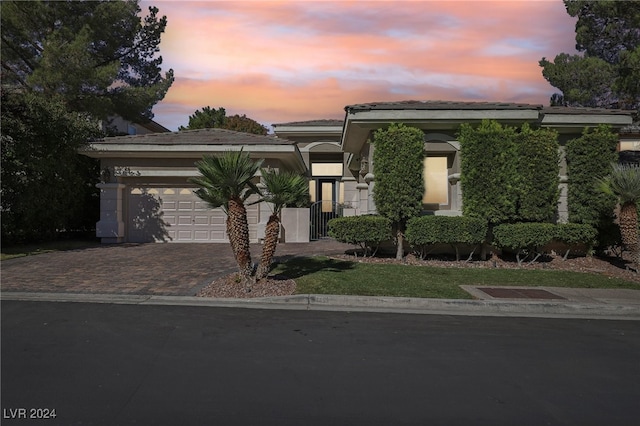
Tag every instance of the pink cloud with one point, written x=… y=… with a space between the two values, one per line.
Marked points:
x=292 y=60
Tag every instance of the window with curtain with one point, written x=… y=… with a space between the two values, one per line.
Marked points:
x=436 y=183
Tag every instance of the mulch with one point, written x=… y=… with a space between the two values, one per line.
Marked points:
x=230 y=286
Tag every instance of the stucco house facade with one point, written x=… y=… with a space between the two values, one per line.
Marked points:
x=146 y=196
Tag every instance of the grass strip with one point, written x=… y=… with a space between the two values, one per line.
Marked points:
x=321 y=275
x=22 y=250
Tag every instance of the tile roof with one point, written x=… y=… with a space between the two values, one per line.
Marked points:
x=583 y=110
x=459 y=105
x=196 y=137
x=435 y=105
x=322 y=122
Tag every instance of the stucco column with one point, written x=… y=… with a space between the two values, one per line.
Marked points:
x=350 y=192
x=456 y=195
x=563 y=204
x=264 y=212
x=111 y=227
x=370 y=179
x=363 y=196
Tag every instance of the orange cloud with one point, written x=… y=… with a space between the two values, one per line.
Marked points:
x=292 y=60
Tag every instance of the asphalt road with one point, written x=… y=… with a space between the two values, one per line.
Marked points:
x=101 y=364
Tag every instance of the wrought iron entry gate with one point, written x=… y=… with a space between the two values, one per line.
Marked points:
x=321 y=212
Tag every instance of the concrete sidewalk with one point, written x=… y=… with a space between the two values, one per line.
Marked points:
x=601 y=304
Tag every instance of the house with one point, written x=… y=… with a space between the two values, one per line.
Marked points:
x=440 y=121
x=146 y=195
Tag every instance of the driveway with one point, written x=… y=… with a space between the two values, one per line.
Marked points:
x=150 y=269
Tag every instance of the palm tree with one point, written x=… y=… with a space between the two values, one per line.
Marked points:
x=226 y=182
x=624 y=183
x=283 y=189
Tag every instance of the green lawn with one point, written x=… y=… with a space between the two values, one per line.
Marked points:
x=45 y=247
x=321 y=275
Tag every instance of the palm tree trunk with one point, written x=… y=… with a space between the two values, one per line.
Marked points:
x=272 y=231
x=238 y=230
x=628 y=221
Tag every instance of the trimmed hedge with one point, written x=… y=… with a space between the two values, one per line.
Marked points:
x=576 y=233
x=524 y=238
x=367 y=232
x=454 y=230
x=530 y=239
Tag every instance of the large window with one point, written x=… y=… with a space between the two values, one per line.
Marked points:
x=326 y=169
x=436 y=183
x=630 y=145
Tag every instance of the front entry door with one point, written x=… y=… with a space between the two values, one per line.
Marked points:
x=324 y=209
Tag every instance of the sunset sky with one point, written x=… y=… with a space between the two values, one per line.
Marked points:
x=282 y=61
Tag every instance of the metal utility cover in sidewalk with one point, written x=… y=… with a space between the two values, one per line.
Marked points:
x=518 y=293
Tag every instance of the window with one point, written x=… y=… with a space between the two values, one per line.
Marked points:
x=327 y=197
x=326 y=169
x=630 y=145
x=436 y=183
x=312 y=190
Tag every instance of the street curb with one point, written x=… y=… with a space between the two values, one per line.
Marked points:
x=402 y=305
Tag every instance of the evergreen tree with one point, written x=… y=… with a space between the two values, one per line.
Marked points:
x=65 y=66
x=210 y=118
x=607 y=73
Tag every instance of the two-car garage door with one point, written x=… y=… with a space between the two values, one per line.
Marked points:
x=177 y=215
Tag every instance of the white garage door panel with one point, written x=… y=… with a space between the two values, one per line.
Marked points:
x=199 y=219
x=168 y=205
x=185 y=220
x=201 y=235
x=170 y=220
x=178 y=215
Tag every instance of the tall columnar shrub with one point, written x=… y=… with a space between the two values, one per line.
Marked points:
x=538 y=165
x=399 y=186
x=489 y=173
x=589 y=160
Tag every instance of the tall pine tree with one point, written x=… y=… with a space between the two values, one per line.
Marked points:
x=607 y=72
x=65 y=66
